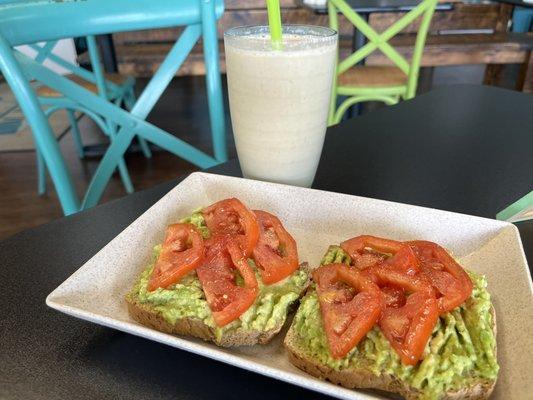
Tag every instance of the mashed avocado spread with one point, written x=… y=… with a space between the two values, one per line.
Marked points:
x=461 y=349
x=186 y=298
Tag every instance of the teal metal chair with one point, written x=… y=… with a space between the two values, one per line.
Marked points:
x=388 y=84
x=117 y=88
x=52 y=20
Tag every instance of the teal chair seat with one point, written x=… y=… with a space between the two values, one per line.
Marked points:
x=53 y=20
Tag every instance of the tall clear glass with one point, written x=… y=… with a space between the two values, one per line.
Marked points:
x=279 y=99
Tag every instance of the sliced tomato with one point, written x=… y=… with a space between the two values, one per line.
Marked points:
x=241 y=264
x=405 y=261
x=367 y=251
x=384 y=276
x=232 y=217
x=276 y=253
x=407 y=326
x=449 y=279
x=350 y=304
x=393 y=296
x=182 y=251
x=357 y=245
x=226 y=298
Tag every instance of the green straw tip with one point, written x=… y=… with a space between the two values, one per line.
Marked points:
x=274 y=23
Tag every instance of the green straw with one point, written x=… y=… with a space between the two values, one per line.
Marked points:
x=274 y=22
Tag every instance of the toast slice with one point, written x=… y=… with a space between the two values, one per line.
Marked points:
x=357 y=370
x=237 y=333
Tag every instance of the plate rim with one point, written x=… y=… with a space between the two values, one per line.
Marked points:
x=186 y=344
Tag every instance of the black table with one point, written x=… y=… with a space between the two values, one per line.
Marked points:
x=463 y=148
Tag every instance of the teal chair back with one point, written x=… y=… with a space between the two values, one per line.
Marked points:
x=53 y=20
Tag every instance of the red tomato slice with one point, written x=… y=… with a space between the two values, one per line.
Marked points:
x=350 y=305
x=183 y=251
x=452 y=283
x=276 y=253
x=393 y=296
x=407 y=326
x=357 y=245
x=232 y=217
x=383 y=275
x=367 y=251
x=227 y=300
x=405 y=261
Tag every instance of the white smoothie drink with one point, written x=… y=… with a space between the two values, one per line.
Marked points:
x=279 y=100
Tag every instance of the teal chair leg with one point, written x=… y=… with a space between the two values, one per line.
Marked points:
x=74 y=129
x=144 y=147
x=111 y=131
x=129 y=101
x=213 y=80
x=41 y=166
x=125 y=176
x=41 y=173
x=44 y=138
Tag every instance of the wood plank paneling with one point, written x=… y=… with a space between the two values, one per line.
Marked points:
x=292 y=16
x=463 y=16
x=140 y=53
x=250 y=4
x=494 y=72
x=231 y=19
x=141 y=60
x=443 y=50
x=165 y=35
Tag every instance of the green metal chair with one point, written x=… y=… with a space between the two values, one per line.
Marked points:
x=388 y=84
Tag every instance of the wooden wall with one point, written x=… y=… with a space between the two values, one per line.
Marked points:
x=140 y=53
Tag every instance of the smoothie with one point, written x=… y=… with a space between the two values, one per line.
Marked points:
x=279 y=100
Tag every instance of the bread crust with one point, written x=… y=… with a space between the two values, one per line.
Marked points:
x=147 y=315
x=152 y=318
x=360 y=378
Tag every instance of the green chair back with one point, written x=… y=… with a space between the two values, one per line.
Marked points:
x=379 y=41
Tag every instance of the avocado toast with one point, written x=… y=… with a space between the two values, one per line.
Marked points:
x=185 y=307
x=458 y=360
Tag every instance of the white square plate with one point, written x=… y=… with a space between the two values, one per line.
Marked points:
x=316 y=219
